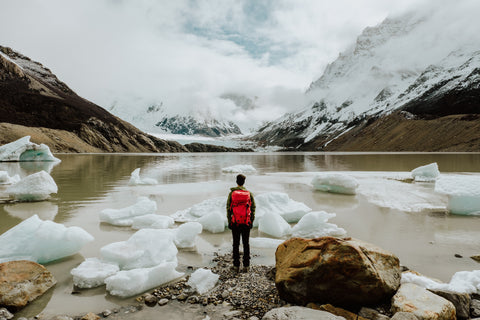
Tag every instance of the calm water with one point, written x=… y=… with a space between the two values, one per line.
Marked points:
x=425 y=241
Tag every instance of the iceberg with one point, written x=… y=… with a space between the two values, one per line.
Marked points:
x=186 y=234
x=153 y=221
x=203 y=280
x=205 y=213
x=41 y=241
x=463 y=193
x=24 y=150
x=335 y=183
x=273 y=224
x=145 y=248
x=461 y=281
x=35 y=187
x=240 y=168
x=426 y=173
x=124 y=217
x=6 y=179
x=208 y=210
x=315 y=225
x=128 y=283
x=92 y=273
x=136 y=180
x=260 y=242
x=279 y=203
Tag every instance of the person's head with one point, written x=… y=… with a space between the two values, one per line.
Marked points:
x=241 y=179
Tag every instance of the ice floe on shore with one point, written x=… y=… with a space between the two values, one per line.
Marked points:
x=41 y=241
x=35 y=187
x=24 y=150
x=203 y=280
x=240 y=168
x=461 y=282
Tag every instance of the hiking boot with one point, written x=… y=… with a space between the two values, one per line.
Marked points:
x=235 y=269
x=245 y=269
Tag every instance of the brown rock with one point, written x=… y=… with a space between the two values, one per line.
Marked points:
x=90 y=316
x=461 y=301
x=22 y=282
x=372 y=314
x=343 y=272
x=337 y=311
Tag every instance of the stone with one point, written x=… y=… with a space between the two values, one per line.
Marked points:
x=476 y=258
x=343 y=272
x=163 y=302
x=107 y=313
x=461 y=301
x=150 y=300
x=401 y=315
x=299 y=313
x=475 y=308
x=90 y=316
x=23 y=281
x=232 y=314
x=5 y=314
x=62 y=318
x=336 y=311
x=423 y=303
x=372 y=314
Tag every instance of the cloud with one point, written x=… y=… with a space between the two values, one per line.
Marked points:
x=188 y=53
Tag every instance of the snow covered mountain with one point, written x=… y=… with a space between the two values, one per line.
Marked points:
x=155 y=118
x=413 y=64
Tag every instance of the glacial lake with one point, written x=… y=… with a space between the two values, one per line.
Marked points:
x=408 y=219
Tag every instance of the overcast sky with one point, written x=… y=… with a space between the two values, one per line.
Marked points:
x=187 y=53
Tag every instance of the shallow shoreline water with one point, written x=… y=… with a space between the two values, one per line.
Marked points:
x=425 y=241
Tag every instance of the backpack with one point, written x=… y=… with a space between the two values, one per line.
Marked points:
x=240 y=207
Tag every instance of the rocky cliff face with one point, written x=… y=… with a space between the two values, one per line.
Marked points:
x=34 y=102
x=410 y=63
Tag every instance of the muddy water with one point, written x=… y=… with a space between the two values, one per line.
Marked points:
x=425 y=241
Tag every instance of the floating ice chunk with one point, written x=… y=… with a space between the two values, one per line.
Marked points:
x=463 y=193
x=335 y=183
x=203 y=280
x=281 y=204
x=145 y=248
x=260 y=242
x=426 y=173
x=186 y=234
x=136 y=180
x=201 y=209
x=273 y=224
x=132 y=282
x=41 y=241
x=214 y=222
x=315 y=225
x=24 y=150
x=6 y=179
x=240 y=168
x=462 y=282
x=92 y=273
x=153 y=221
x=35 y=187
x=124 y=217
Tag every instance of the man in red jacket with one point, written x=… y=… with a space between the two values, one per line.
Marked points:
x=240 y=215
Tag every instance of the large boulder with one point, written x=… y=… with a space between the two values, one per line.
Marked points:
x=422 y=303
x=22 y=282
x=343 y=272
x=299 y=313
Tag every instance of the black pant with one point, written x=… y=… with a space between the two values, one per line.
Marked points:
x=244 y=232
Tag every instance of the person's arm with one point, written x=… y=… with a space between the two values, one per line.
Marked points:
x=229 y=211
x=252 y=209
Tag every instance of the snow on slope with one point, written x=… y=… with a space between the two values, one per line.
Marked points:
x=423 y=53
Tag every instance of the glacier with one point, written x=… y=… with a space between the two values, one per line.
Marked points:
x=35 y=187
x=24 y=150
x=41 y=241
